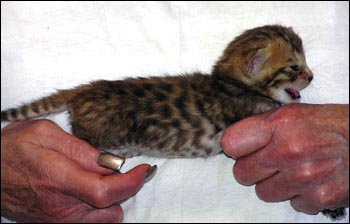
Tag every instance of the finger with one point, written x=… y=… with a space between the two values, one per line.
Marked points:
x=275 y=189
x=266 y=162
x=103 y=191
x=254 y=168
x=129 y=183
x=301 y=204
x=296 y=178
x=246 y=136
x=55 y=138
x=93 y=188
x=112 y=214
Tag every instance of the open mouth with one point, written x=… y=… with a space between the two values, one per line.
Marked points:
x=293 y=93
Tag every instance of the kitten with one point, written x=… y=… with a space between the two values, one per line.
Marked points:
x=184 y=116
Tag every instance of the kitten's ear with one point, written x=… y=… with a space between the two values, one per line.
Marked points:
x=290 y=29
x=257 y=61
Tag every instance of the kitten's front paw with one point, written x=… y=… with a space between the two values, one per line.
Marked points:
x=336 y=214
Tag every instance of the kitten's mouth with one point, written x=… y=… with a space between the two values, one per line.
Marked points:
x=293 y=93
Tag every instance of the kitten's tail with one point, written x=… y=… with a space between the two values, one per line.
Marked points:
x=44 y=106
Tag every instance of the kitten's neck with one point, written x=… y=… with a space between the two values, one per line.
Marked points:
x=238 y=100
x=231 y=86
x=223 y=101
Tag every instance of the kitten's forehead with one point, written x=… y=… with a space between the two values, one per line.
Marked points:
x=293 y=39
x=273 y=32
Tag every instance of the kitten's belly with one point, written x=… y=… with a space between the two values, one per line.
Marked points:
x=204 y=146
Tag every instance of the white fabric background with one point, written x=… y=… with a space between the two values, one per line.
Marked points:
x=56 y=45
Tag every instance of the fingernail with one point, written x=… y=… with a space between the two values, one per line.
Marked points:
x=150 y=173
x=110 y=160
x=228 y=155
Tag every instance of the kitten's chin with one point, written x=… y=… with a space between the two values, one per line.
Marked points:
x=286 y=96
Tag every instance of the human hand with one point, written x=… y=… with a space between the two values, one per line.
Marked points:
x=48 y=175
x=298 y=152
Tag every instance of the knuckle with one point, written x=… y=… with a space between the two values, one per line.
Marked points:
x=306 y=174
x=285 y=114
x=78 y=146
x=296 y=147
x=78 y=149
x=294 y=150
x=325 y=197
x=41 y=126
x=100 y=196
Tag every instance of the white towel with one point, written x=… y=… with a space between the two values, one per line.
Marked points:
x=48 y=46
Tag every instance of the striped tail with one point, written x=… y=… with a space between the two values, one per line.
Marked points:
x=44 y=106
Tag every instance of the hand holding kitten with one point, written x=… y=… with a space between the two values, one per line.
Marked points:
x=297 y=152
x=48 y=175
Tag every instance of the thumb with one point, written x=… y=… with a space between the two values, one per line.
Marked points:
x=130 y=183
x=102 y=192
x=246 y=136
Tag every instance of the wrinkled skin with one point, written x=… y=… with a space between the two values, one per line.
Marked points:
x=48 y=175
x=298 y=152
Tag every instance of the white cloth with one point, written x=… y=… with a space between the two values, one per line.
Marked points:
x=56 y=45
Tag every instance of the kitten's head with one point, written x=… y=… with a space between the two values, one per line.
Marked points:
x=269 y=60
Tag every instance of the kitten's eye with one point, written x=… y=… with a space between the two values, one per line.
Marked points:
x=294 y=67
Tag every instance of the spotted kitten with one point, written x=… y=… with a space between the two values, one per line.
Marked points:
x=184 y=116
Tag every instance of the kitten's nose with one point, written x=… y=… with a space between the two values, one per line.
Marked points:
x=310 y=78
x=309 y=74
